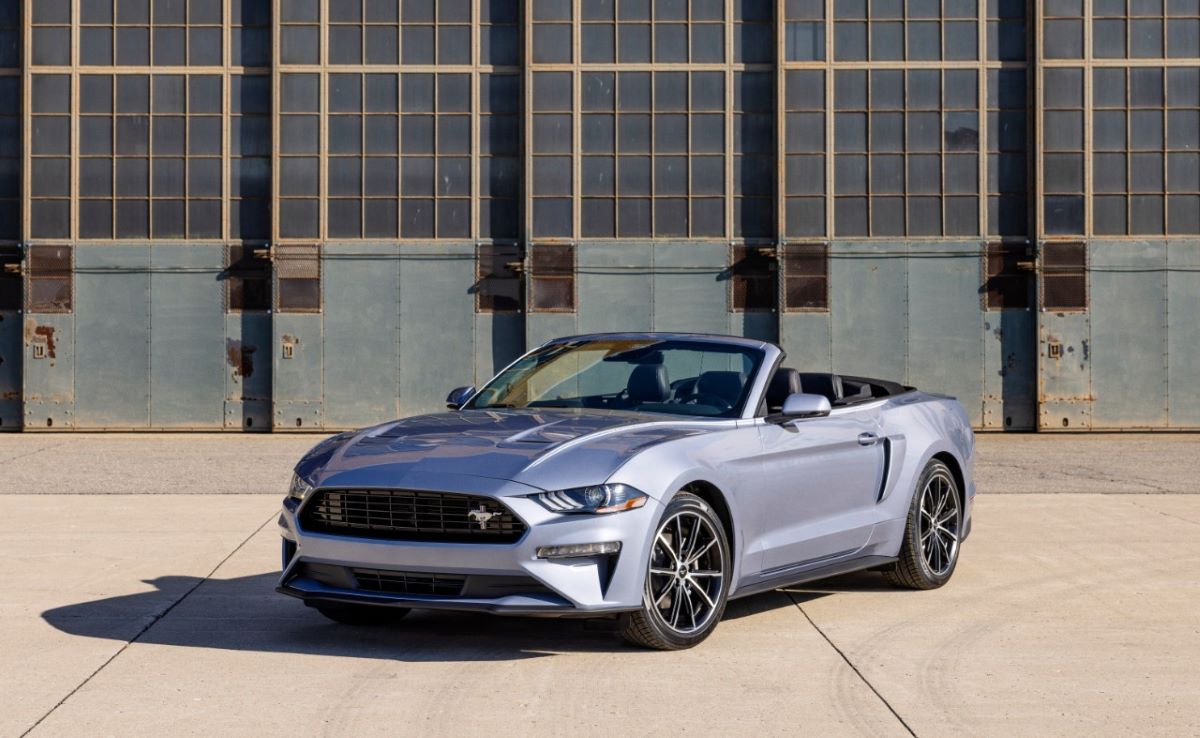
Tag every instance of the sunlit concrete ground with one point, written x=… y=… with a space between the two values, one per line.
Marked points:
x=137 y=599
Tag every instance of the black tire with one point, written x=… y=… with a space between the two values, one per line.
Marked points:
x=917 y=567
x=690 y=523
x=367 y=615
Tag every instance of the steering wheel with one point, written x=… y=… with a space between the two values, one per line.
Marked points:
x=707 y=398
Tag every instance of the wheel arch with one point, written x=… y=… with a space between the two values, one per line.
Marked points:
x=956 y=471
x=713 y=495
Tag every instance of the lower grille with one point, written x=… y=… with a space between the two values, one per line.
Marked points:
x=409 y=583
x=411 y=515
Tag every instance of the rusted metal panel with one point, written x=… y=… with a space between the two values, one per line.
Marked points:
x=48 y=376
x=298 y=385
x=187 y=337
x=1009 y=369
x=1183 y=334
x=10 y=370
x=362 y=334
x=945 y=325
x=112 y=337
x=437 y=323
x=248 y=371
x=1129 y=334
x=1065 y=371
x=869 y=308
x=615 y=286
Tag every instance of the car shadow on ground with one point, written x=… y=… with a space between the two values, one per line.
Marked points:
x=245 y=614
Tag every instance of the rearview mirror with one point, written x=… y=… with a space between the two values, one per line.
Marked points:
x=802 y=405
x=459 y=396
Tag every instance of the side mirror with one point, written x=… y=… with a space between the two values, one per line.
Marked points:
x=459 y=396
x=800 y=405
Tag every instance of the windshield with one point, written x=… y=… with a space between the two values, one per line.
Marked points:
x=676 y=377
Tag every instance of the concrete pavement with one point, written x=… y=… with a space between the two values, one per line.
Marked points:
x=137 y=600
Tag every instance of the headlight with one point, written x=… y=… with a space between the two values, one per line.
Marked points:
x=601 y=498
x=299 y=488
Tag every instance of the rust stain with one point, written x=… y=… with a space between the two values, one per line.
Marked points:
x=13 y=395
x=46 y=333
x=241 y=357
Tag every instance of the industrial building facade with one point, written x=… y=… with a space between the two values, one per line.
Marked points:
x=320 y=214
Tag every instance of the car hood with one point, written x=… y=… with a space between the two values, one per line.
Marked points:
x=543 y=448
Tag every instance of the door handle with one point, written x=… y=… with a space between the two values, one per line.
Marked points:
x=867 y=439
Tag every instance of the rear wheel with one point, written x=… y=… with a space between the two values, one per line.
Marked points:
x=930 y=549
x=686 y=579
x=348 y=614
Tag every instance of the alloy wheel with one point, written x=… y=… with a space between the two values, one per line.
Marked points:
x=939 y=523
x=687 y=574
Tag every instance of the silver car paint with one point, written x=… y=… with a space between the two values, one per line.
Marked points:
x=843 y=510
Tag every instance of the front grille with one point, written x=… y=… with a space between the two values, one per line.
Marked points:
x=410 y=515
x=409 y=583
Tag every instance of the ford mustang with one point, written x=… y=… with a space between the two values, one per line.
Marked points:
x=643 y=477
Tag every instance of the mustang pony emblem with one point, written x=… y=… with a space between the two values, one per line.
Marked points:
x=482 y=516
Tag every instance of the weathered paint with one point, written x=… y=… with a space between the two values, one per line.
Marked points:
x=1065 y=380
x=11 y=329
x=1129 y=334
x=1009 y=369
x=248 y=371
x=945 y=324
x=187 y=360
x=690 y=287
x=112 y=337
x=1183 y=334
x=361 y=355
x=806 y=339
x=869 y=308
x=298 y=382
x=614 y=286
x=48 y=384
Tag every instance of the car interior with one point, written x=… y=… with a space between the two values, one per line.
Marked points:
x=839 y=390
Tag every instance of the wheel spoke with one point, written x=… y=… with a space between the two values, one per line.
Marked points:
x=691 y=607
x=702 y=573
x=662 y=572
x=676 y=608
x=667 y=547
x=695 y=557
x=700 y=591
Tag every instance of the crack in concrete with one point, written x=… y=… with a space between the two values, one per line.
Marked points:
x=850 y=663
x=153 y=621
x=31 y=453
x=1166 y=514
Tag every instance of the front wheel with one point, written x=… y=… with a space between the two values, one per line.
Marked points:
x=933 y=532
x=687 y=579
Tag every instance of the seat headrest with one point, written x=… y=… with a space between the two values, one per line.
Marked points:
x=829 y=385
x=726 y=385
x=785 y=382
x=649 y=383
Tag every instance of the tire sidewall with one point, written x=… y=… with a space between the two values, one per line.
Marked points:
x=914 y=523
x=686 y=501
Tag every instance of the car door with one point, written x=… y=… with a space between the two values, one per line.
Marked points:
x=820 y=482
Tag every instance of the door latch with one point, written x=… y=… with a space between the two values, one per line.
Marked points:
x=1054 y=350
x=867 y=439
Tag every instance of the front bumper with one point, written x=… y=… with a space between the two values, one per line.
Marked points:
x=499 y=578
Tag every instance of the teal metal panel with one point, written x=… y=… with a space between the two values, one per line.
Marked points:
x=48 y=375
x=112 y=337
x=1183 y=333
x=945 y=323
x=690 y=287
x=437 y=323
x=805 y=338
x=1009 y=369
x=614 y=286
x=187 y=336
x=10 y=371
x=297 y=384
x=499 y=340
x=542 y=327
x=760 y=324
x=362 y=334
x=1065 y=381
x=1129 y=334
x=869 y=309
x=248 y=353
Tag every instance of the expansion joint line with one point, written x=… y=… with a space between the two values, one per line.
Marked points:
x=147 y=627
x=849 y=663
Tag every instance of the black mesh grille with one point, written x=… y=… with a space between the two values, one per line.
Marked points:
x=409 y=515
x=409 y=583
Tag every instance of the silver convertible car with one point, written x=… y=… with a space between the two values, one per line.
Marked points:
x=645 y=477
